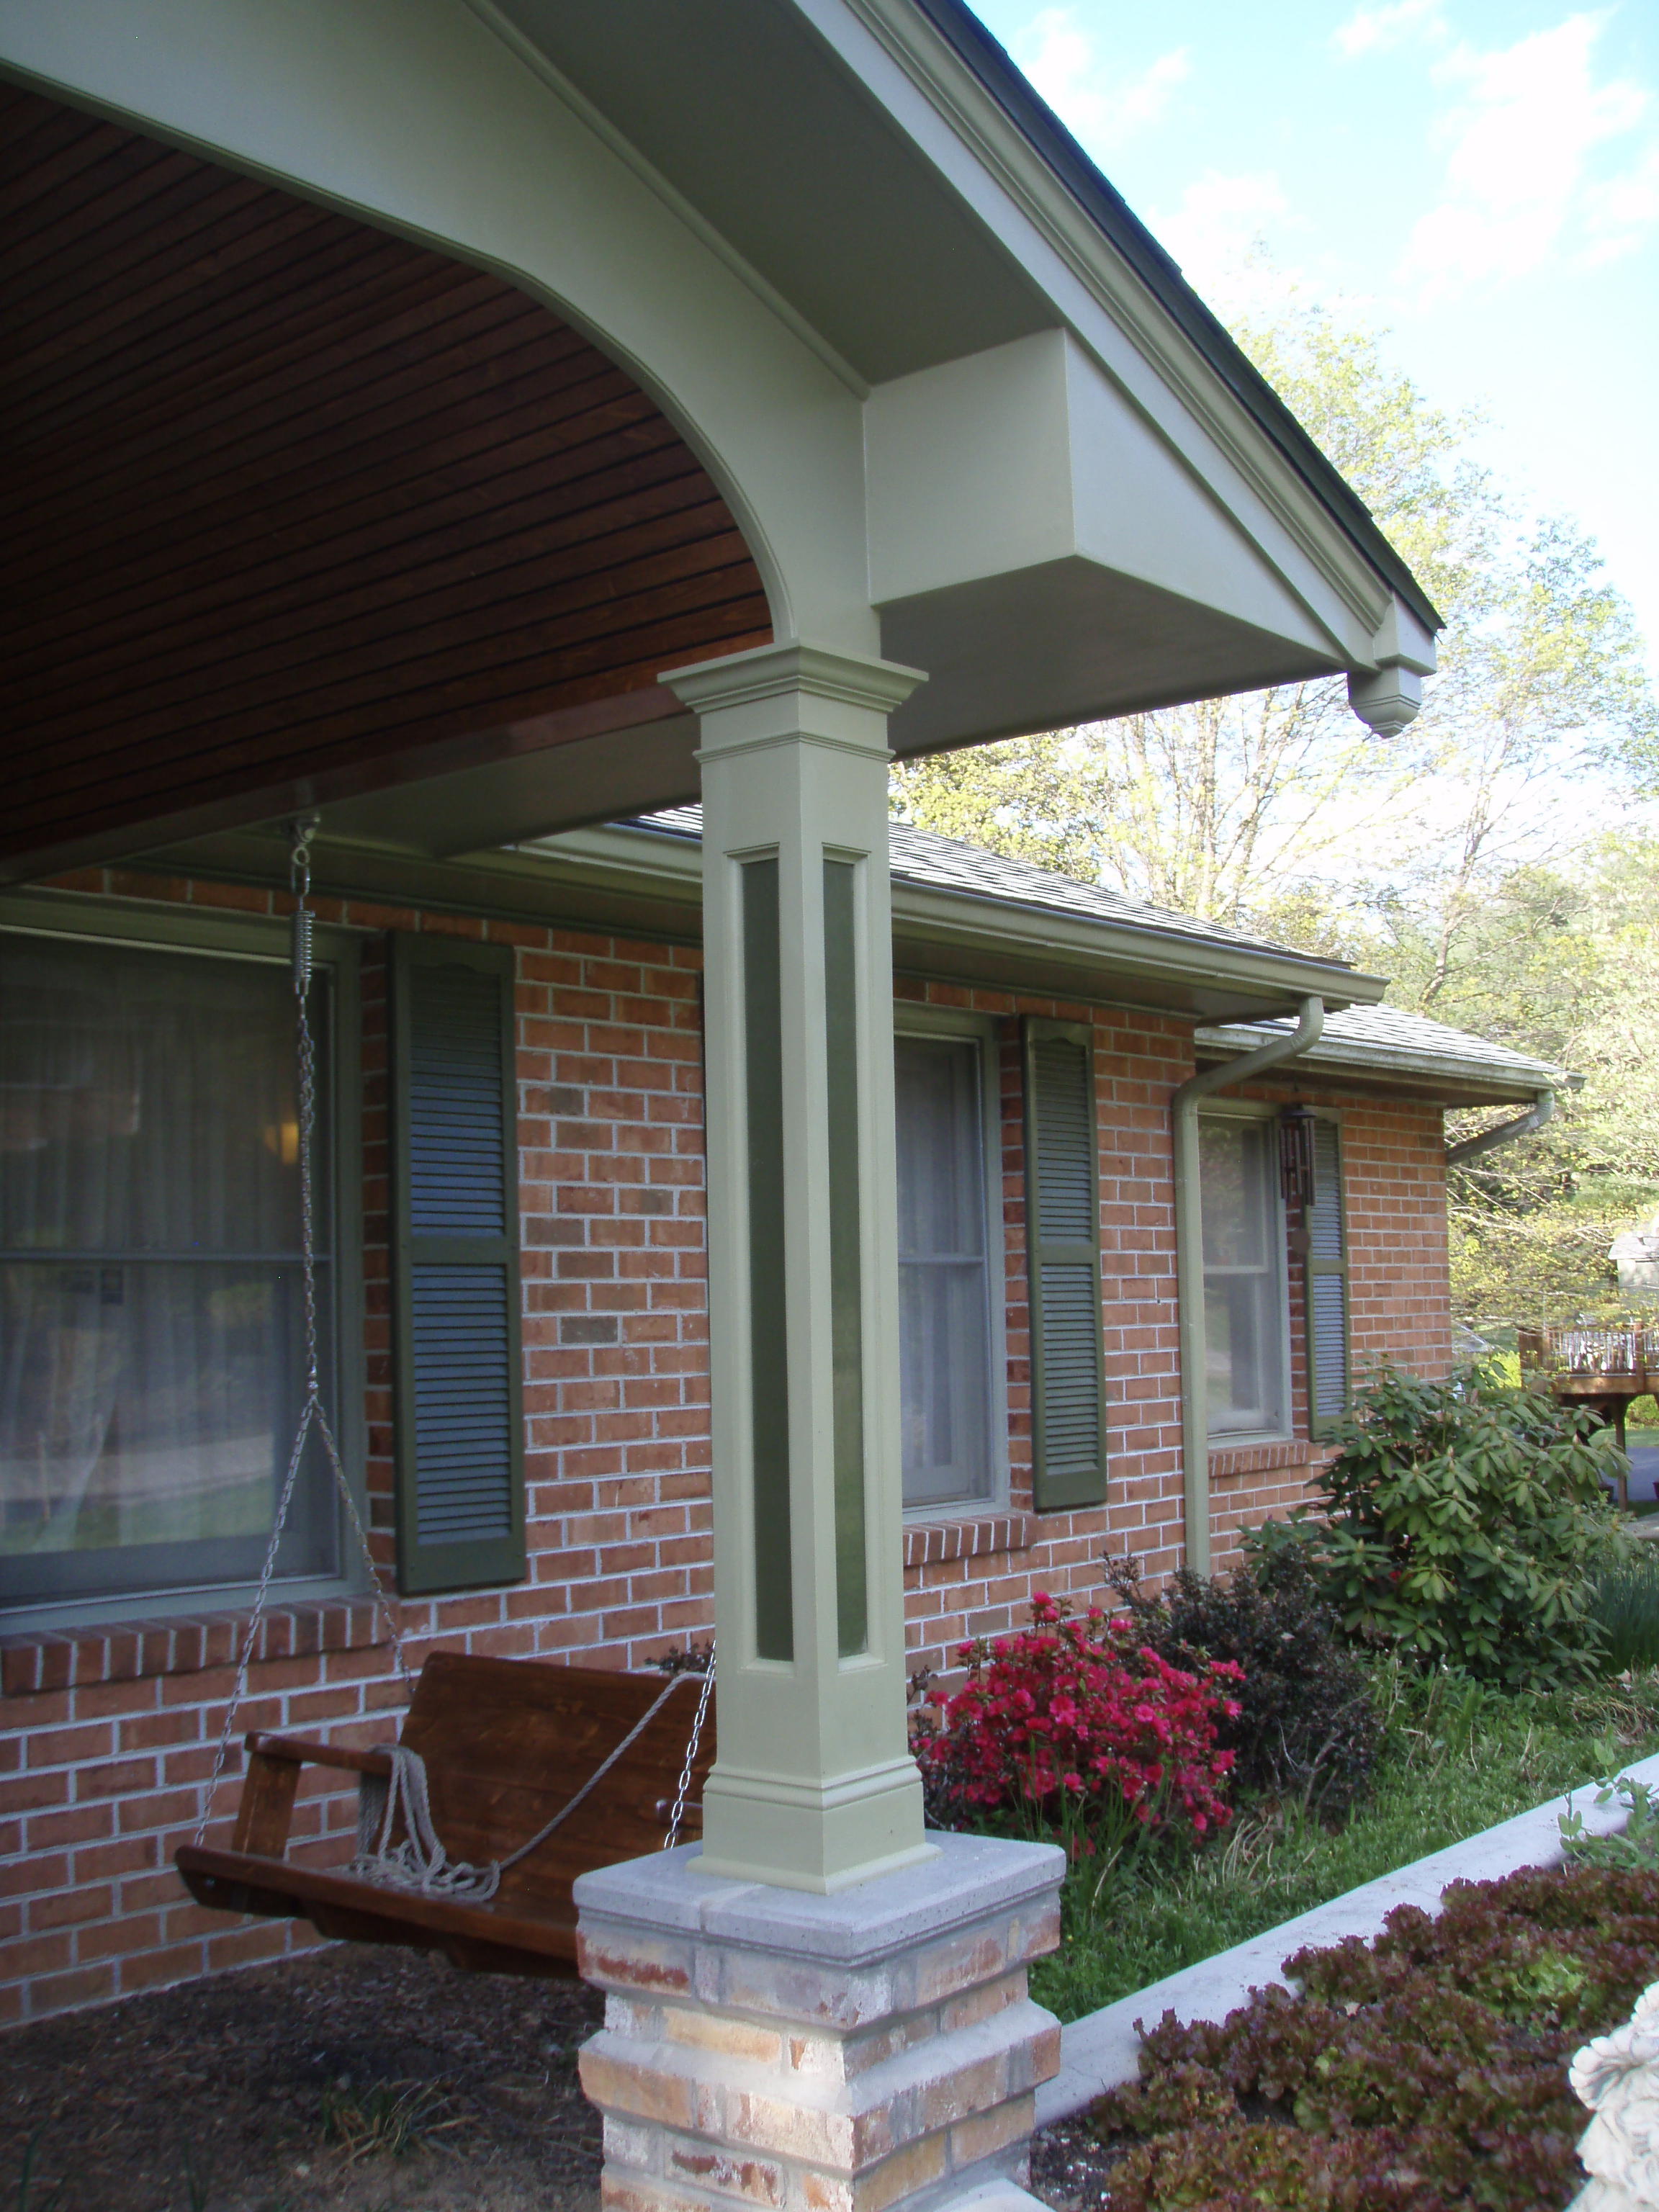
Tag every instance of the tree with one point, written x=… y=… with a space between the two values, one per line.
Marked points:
x=1248 y=810
x=1436 y=860
x=1563 y=963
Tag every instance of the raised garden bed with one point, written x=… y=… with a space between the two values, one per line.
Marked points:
x=1425 y=2071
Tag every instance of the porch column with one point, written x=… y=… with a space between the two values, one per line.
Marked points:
x=813 y=1788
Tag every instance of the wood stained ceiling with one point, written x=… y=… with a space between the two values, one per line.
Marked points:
x=291 y=504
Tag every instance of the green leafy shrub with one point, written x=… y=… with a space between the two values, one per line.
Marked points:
x=1306 y=1726
x=1419 y=2072
x=1462 y=1523
x=1625 y=1606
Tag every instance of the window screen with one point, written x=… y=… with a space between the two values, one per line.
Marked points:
x=1245 y=1296
x=151 y=1326
x=944 y=1276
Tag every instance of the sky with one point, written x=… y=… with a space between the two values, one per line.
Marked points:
x=1480 y=178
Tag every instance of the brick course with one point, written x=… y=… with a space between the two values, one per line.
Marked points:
x=107 y=1734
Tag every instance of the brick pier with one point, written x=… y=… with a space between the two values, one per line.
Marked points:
x=768 y=2047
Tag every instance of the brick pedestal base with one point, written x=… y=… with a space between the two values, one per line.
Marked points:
x=853 y=2053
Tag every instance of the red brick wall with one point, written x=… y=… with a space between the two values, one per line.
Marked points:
x=106 y=1737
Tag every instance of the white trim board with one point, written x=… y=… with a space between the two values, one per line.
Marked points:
x=1102 y=2049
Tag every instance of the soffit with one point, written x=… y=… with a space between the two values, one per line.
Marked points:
x=752 y=117
x=290 y=503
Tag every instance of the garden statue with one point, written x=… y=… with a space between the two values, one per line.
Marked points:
x=1617 y=2075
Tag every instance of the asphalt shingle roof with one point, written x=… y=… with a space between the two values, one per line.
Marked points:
x=1391 y=1033
x=1382 y=1034
x=922 y=856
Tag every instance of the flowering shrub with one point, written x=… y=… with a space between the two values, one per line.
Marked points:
x=1075 y=1724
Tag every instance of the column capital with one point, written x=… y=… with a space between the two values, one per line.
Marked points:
x=793 y=671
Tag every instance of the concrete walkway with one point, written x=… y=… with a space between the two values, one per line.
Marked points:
x=1102 y=2049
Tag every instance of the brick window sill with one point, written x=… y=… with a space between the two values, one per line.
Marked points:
x=932 y=1543
x=1264 y=1459
x=130 y=1651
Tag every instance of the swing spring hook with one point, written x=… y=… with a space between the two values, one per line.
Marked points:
x=303 y=830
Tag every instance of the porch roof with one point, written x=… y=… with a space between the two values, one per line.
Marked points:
x=950 y=400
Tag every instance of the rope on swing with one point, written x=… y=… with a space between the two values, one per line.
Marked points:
x=419 y=1862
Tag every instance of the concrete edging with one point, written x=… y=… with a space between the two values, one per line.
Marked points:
x=1102 y=2049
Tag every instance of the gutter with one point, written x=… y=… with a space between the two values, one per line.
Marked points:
x=1190 y=1263
x=1542 y=1110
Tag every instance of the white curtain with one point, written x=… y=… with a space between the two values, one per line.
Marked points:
x=1244 y=1310
x=149 y=1221
x=945 y=1287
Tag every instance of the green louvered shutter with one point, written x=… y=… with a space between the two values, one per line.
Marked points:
x=455 y=1336
x=1330 y=1365
x=1062 y=1215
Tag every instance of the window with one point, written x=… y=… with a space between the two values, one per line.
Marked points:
x=150 y=1309
x=1244 y=1287
x=950 y=1273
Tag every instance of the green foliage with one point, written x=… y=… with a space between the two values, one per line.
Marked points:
x=1306 y=1726
x=1423 y=2071
x=1460 y=1524
x=1625 y=1606
x=1636 y=1844
x=1458 y=1756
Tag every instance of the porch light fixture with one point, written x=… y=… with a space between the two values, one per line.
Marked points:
x=1296 y=1156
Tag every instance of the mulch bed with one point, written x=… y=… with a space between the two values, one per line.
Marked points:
x=284 y=2089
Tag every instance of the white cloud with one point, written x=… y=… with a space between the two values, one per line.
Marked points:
x=1525 y=173
x=1376 y=30
x=1617 y=213
x=1063 y=61
x=1220 y=222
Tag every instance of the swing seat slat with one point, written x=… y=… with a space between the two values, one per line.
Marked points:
x=505 y=1742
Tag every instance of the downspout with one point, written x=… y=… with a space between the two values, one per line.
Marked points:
x=1190 y=1263
x=1541 y=1110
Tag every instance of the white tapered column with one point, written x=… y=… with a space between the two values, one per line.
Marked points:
x=814 y=1788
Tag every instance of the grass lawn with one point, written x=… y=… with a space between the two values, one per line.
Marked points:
x=1457 y=1759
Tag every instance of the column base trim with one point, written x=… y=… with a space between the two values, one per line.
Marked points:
x=819 y=1836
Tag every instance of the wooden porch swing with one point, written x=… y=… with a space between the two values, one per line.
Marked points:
x=510 y=1778
x=505 y=1745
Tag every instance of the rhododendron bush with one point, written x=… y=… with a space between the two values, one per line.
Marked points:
x=1075 y=1725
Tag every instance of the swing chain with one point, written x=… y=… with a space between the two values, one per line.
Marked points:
x=420 y=1864
x=680 y=1795
x=312 y=1413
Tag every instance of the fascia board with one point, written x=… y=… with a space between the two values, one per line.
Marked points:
x=1503 y=1079
x=1110 y=309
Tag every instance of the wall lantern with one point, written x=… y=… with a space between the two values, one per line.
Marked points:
x=1296 y=1157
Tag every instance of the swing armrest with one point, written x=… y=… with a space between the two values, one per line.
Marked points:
x=273 y=1776
x=303 y=1750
